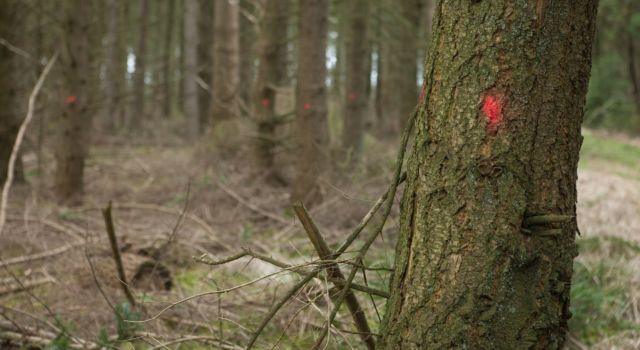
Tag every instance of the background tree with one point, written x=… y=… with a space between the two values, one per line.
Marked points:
x=312 y=137
x=139 y=87
x=75 y=118
x=481 y=261
x=226 y=69
x=272 y=73
x=357 y=72
x=9 y=91
x=191 y=89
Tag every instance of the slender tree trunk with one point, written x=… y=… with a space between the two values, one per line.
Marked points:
x=226 y=70
x=191 y=105
x=312 y=134
x=9 y=112
x=272 y=71
x=247 y=37
x=399 y=93
x=497 y=142
x=205 y=59
x=75 y=120
x=137 y=116
x=168 y=60
x=357 y=78
x=113 y=89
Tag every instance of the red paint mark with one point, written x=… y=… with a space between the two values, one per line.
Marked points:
x=352 y=97
x=423 y=93
x=71 y=99
x=306 y=106
x=492 y=109
x=265 y=102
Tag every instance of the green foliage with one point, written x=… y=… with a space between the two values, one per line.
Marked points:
x=608 y=102
x=600 y=289
x=103 y=339
x=595 y=147
x=125 y=313
x=62 y=341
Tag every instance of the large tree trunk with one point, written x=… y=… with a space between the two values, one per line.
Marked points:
x=497 y=142
x=75 y=119
x=9 y=62
x=137 y=111
x=226 y=69
x=191 y=90
x=272 y=71
x=357 y=70
x=312 y=134
x=399 y=69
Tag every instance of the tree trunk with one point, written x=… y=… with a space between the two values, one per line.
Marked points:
x=75 y=119
x=312 y=134
x=168 y=60
x=113 y=89
x=205 y=59
x=247 y=37
x=191 y=90
x=399 y=91
x=497 y=141
x=9 y=112
x=137 y=115
x=357 y=78
x=272 y=71
x=226 y=70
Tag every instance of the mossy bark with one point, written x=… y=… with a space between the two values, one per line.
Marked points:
x=497 y=140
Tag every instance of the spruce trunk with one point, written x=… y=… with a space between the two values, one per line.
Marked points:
x=497 y=142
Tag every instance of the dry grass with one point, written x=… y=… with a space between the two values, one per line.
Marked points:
x=152 y=185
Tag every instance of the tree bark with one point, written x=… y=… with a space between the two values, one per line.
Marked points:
x=357 y=78
x=312 y=134
x=247 y=39
x=497 y=141
x=191 y=90
x=137 y=115
x=75 y=119
x=9 y=112
x=113 y=82
x=272 y=71
x=226 y=70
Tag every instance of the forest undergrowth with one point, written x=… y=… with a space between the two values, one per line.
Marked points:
x=169 y=206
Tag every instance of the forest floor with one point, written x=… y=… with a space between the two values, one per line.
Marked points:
x=172 y=202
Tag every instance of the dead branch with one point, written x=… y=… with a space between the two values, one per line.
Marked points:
x=333 y=270
x=250 y=205
x=108 y=221
x=39 y=256
x=31 y=283
x=19 y=137
x=376 y=231
x=205 y=259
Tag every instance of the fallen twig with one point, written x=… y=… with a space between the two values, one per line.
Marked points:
x=39 y=256
x=108 y=221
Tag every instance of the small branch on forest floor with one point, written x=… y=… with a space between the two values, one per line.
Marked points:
x=39 y=256
x=108 y=221
x=18 y=142
x=250 y=205
x=205 y=259
x=333 y=270
x=31 y=283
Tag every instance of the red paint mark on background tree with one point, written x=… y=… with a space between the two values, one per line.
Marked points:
x=306 y=106
x=492 y=109
x=265 y=102
x=71 y=99
x=423 y=92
